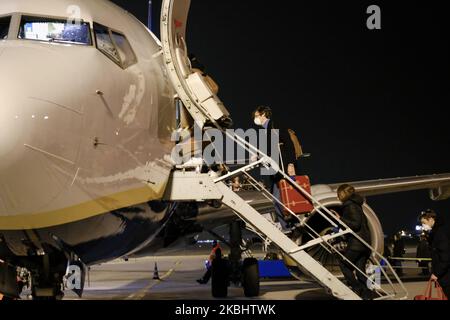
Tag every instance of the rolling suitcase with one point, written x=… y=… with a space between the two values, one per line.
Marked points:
x=294 y=199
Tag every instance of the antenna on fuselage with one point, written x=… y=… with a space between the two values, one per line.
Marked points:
x=150 y=15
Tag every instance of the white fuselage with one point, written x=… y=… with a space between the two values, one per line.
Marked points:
x=79 y=135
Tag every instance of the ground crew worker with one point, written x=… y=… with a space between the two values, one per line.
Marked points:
x=211 y=258
x=398 y=251
x=423 y=252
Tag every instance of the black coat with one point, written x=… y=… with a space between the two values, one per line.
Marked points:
x=440 y=251
x=399 y=248
x=423 y=250
x=286 y=146
x=353 y=216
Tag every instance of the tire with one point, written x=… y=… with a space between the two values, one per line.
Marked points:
x=219 y=279
x=250 y=278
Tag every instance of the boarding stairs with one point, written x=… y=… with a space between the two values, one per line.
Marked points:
x=206 y=109
x=194 y=186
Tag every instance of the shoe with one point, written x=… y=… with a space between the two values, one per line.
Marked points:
x=368 y=295
x=201 y=281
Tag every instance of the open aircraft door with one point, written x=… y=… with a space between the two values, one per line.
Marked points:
x=191 y=87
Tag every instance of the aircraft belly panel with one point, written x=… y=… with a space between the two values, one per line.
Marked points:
x=97 y=239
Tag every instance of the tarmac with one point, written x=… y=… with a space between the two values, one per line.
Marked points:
x=133 y=280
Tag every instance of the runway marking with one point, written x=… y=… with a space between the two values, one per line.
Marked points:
x=141 y=294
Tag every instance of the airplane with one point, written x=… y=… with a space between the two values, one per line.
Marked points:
x=89 y=104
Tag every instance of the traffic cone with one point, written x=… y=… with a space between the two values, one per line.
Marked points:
x=156 y=273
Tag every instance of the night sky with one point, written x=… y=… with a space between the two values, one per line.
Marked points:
x=367 y=104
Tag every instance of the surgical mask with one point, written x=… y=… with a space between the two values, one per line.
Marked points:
x=426 y=228
x=258 y=121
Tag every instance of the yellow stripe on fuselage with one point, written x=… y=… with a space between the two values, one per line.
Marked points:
x=79 y=212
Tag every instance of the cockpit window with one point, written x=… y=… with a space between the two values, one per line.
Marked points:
x=55 y=30
x=105 y=44
x=124 y=48
x=4 y=27
x=114 y=45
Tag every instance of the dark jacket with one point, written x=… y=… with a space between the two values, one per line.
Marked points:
x=353 y=216
x=286 y=146
x=440 y=251
x=399 y=248
x=423 y=250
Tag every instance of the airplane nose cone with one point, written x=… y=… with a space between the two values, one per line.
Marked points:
x=40 y=126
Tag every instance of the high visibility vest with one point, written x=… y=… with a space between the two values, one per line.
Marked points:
x=212 y=256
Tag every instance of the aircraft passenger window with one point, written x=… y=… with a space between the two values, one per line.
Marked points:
x=126 y=53
x=4 y=27
x=54 y=30
x=105 y=43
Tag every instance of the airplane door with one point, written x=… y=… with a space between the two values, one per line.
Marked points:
x=192 y=88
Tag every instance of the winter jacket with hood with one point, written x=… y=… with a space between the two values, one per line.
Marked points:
x=353 y=216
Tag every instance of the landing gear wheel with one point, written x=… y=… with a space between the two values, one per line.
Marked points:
x=219 y=279
x=48 y=294
x=250 y=277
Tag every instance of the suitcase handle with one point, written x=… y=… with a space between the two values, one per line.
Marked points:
x=281 y=157
x=429 y=291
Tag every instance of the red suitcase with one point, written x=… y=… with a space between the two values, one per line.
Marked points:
x=294 y=199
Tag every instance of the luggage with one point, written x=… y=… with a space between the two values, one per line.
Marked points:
x=429 y=294
x=294 y=199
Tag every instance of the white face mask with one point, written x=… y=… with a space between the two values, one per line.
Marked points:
x=426 y=228
x=258 y=121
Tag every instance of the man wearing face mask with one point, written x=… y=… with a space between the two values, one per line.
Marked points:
x=439 y=239
x=262 y=117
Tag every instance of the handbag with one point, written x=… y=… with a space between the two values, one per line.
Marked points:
x=429 y=292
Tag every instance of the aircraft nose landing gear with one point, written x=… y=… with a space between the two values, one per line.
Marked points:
x=250 y=277
x=235 y=270
x=47 y=278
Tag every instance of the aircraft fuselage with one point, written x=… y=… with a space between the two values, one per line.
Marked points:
x=86 y=124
